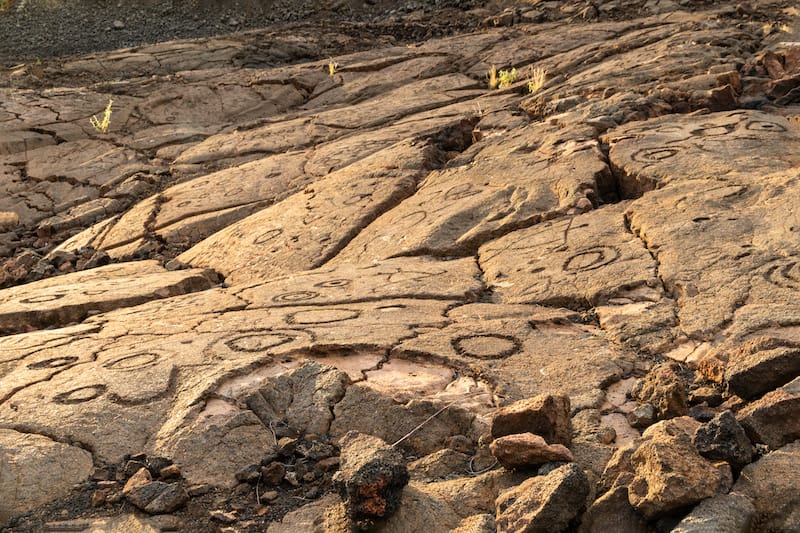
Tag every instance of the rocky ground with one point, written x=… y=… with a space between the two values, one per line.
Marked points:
x=323 y=277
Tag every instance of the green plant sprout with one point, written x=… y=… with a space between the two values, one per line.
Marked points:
x=493 y=77
x=506 y=78
x=101 y=126
x=332 y=66
x=536 y=78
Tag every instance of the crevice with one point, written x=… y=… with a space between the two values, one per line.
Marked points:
x=30 y=429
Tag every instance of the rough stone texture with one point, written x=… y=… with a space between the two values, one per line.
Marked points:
x=771 y=484
x=544 y=503
x=506 y=342
x=669 y=475
x=613 y=512
x=544 y=415
x=561 y=262
x=480 y=523
x=762 y=365
x=371 y=477
x=665 y=389
x=648 y=185
x=37 y=470
x=774 y=420
x=157 y=497
x=526 y=449
x=302 y=398
x=458 y=207
x=723 y=439
x=70 y=298
x=726 y=513
x=368 y=411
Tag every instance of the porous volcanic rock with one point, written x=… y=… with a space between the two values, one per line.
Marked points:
x=526 y=449
x=546 y=415
x=371 y=478
x=544 y=503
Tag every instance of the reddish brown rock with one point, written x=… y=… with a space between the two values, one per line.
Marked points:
x=546 y=415
x=669 y=475
x=665 y=389
x=527 y=449
x=371 y=478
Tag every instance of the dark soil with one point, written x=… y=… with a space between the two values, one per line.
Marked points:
x=41 y=29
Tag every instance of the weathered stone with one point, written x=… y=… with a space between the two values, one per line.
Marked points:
x=771 y=484
x=526 y=449
x=37 y=470
x=273 y=473
x=281 y=236
x=613 y=512
x=462 y=205
x=70 y=298
x=521 y=349
x=774 y=419
x=442 y=464
x=669 y=475
x=650 y=154
x=665 y=389
x=544 y=415
x=723 y=439
x=479 y=523
x=303 y=398
x=726 y=513
x=140 y=478
x=474 y=494
x=642 y=416
x=544 y=503
x=371 y=477
x=761 y=365
x=365 y=410
x=585 y=259
x=588 y=426
x=157 y=497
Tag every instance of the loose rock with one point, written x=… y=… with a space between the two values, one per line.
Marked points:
x=371 y=478
x=723 y=439
x=665 y=389
x=544 y=415
x=526 y=449
x=544 y=503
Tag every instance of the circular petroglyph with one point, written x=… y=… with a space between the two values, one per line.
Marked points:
x=267 y=236
x=654 y=155
x=322 y=316
x=260 y=341
x=463 y=190
x=55 y=362
x=80 y=395
x=132 y=362
x=591 y=259
x=42 y=299
x=296 y=296
x=333 y=283
x=765 y=125
x=713 y=130
x=785 y=274
x=486 y=346
x=413 y=218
